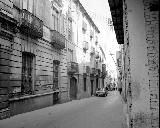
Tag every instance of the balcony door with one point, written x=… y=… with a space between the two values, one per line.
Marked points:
x=92 y=81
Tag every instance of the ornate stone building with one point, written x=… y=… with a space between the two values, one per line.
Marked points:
x=49 y=53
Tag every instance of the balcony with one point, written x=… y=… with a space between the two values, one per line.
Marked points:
x=104 y=70
x=85 y=46
x=84 y=26
x=30 y=24
x=88 y=70
x=93 y=71
x=57 y=39
x=96 y=42
x=97 y=71
x=92 y=51
x=97 y=55
x=73 y=67
x=91 y=34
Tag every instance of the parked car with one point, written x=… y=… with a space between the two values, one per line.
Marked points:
x=101 y=92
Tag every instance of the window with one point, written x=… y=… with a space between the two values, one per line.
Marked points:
x=84 y=80
x=55 y=22
x=70 y=55
x=55 y=74
x=70 y=30
x=96 y=64
x=28 y=67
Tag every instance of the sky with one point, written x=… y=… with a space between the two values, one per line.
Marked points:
x=99 y=11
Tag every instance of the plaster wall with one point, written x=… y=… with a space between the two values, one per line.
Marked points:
x=141 y=54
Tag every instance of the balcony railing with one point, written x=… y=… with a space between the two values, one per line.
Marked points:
x=73 y=67
x=85 y=45
x=84 y=26
x=93 y=71
x=97 y=55
x=92 y=51
x=30 y=24
x=88 y=69
x=57 y=39
x=96 y=42
x=91 y=34
x=97 y=71
x=104 y=70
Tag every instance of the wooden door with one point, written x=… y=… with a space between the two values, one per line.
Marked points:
x=73 y=88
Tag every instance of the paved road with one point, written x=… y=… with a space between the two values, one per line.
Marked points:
x=94 y=112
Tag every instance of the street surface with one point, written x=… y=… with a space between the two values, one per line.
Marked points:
x=93 y=112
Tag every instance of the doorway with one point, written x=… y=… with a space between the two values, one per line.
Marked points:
x=92 y=87
x=73 y=88
x=96 y=83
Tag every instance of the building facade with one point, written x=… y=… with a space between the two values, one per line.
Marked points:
x=33 y=66
x=136 y=24
x=84 y=54
x=49 y=53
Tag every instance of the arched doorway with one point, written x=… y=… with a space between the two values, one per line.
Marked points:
x=73 y=88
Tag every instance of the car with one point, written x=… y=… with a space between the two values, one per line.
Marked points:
x=101 y=92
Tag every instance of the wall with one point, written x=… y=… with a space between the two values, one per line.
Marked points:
x=141 y=66
x=152 y=40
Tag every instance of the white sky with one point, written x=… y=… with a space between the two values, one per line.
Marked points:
x=99 y=11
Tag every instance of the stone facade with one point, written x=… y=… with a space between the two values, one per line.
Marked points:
x=33 y=68
x=40 y=42
x=84 y=49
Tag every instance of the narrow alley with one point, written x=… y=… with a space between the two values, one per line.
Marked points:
x=93 y=112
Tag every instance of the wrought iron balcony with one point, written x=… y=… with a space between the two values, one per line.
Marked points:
x=88 y=69
x=6 y=7
x=57 y=39
x=92 y=51
x=97 y=55
x=91 y=34
x=73 y=67
x=84 y=26
x=96 y=42
x=30 y=24
x=93 y=71
x=85 y=45
x=98 y=71
x=104 y=70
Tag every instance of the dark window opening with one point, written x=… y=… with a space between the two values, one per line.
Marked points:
x=55 y=74
x=84 y=80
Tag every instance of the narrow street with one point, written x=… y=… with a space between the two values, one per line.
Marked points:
x=94 y=112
